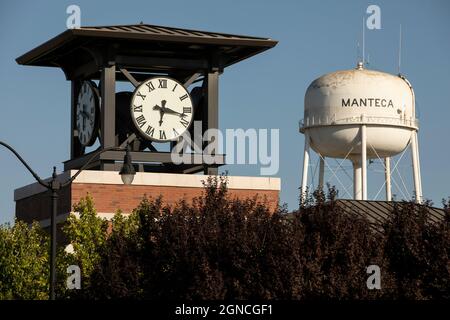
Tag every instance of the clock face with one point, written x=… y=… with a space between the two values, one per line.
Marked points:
x=87 y=113
x=161 y=109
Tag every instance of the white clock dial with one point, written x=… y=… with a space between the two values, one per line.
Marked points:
x=161 y=109
x=87 y=113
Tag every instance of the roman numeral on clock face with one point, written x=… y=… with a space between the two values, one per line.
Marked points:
x=137 y=108
x=150 y=131
x=187 y=110
x=184 y=122
x=140 y=95
x=175 y=132
x=183 y=97
x=141 y=121
x=162 y=135
x=150 y=86
x=176 y=84
x=162 y=83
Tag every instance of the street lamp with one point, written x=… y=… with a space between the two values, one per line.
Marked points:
x=126 y=173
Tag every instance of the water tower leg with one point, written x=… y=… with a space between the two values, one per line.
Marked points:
x=387 y=172
x=416 y=169
x=418 y=165
x=305 y=167
x=357 y=190
x=364 y=162
x=321 y=172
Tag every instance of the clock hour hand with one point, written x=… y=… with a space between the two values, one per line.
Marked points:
x=161 y=115
x=162 y=111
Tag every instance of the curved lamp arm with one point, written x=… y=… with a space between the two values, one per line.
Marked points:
x=38 y=179
x=50 y=185
x=88 y=162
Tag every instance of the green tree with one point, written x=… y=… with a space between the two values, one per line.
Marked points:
x=86 y=234
x=24 y=262
x=118 y=273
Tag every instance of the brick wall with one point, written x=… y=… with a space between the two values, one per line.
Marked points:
x=110 y=197
x=38 y=206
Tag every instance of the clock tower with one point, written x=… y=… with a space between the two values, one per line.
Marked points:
x=175 y=75
x=172 y=76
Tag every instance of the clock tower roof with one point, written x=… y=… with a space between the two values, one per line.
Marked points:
x=76 y=51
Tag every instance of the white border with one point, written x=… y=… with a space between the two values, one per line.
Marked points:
x=154 y=179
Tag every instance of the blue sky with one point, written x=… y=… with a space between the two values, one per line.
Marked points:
x=315 y=37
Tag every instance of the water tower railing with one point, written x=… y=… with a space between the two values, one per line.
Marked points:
x=326 y=121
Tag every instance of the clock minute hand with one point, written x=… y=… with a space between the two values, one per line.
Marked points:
x=170 y=111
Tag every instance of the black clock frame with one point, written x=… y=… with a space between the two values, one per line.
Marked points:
x=96 y=132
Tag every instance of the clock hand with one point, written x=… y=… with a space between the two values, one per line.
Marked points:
x=170 y=111
x=162 y=110
x=84 y=118
x=85 y=114
x=161 y=115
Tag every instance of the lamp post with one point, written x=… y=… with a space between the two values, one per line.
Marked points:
x=126 y=173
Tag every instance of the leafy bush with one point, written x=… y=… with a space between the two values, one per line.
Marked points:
x=337 y=248
x=418 y=251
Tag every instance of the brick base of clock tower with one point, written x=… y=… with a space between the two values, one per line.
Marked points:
x=109 y=194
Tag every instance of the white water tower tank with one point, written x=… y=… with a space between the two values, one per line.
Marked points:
x=360 y=114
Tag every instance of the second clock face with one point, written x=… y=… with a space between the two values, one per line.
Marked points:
x=87 y=113
x=161 y=109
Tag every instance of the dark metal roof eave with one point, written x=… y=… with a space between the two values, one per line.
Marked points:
x=172 y=30
x=33 y=55
x=251 y=42
x=55 y=42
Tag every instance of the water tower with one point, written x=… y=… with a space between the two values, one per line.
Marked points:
x=359 y=115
